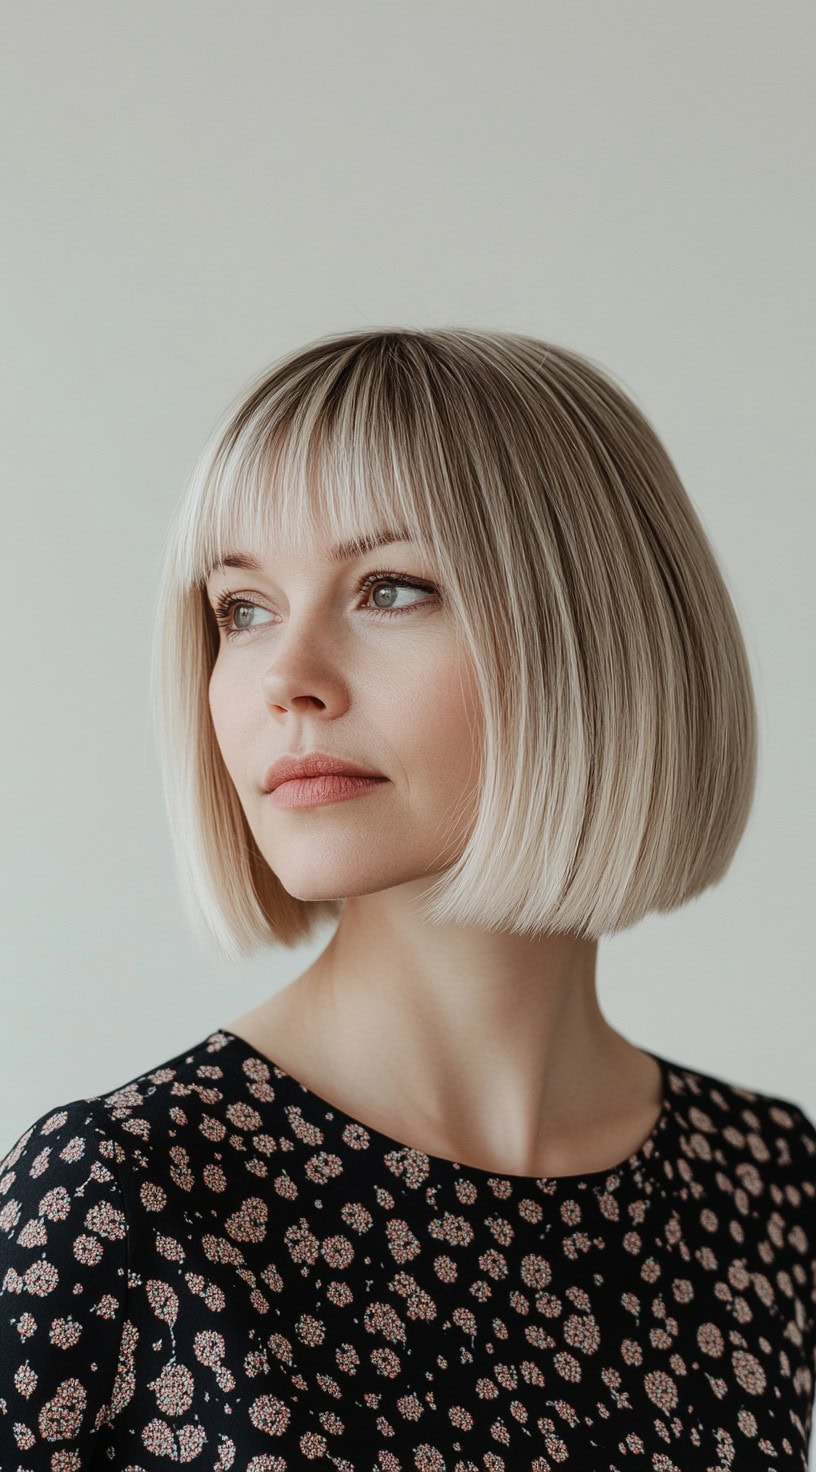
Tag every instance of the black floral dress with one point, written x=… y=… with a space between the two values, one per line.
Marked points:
x=212 y=1265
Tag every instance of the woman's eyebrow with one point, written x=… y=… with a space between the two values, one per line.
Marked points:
x=355 y=547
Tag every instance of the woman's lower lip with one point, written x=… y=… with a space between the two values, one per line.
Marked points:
x=307 y=792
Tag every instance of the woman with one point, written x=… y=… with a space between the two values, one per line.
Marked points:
x=443 y=657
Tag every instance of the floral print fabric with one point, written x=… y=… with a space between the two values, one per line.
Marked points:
x=212 y=1265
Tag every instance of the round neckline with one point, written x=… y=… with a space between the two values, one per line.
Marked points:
x=646 y=1154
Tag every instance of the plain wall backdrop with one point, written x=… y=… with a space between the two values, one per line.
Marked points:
x=190 y=191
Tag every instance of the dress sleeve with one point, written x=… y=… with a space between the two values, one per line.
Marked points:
x=63 y=1285
x=801 y=1175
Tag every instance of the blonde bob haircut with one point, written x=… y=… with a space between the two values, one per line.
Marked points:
x=618 y=751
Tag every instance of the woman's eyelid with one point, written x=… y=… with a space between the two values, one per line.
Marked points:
x=358 y=580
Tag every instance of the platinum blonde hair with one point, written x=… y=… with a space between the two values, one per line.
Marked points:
x=619 y=749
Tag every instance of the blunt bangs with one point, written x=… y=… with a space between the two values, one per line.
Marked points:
x=285 y=469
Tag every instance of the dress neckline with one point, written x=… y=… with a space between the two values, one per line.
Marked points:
x=641 y=1162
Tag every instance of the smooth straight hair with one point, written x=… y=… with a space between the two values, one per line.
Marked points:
x=618 y=751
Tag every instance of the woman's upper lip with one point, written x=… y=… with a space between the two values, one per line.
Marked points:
x=312 y=764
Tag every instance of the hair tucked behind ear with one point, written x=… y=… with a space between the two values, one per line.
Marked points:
x=619 y=747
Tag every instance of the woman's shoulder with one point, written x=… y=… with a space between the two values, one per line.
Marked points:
x=204 y=1076
x=71 y=1186
x=98 y=1132
x=726 y=1117
x=67 y=1154
x=63 y=1283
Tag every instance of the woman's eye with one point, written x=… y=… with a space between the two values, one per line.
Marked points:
x=390 y=605
x=223 y=609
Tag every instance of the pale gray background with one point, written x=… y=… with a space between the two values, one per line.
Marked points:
x=191 y=190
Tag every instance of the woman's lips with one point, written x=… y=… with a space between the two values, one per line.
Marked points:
x=307 y=792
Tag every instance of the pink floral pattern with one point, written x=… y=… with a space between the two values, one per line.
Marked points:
x=213 y=1265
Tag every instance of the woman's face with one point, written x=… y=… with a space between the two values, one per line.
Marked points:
x=310 y=660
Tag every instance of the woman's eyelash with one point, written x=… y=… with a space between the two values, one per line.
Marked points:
x=228 y=601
